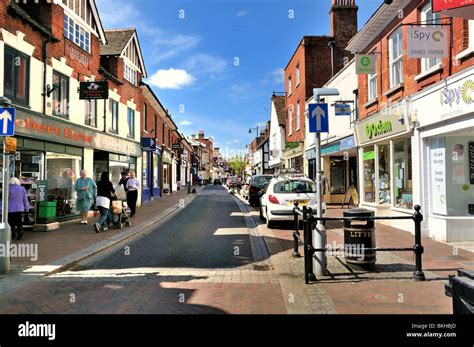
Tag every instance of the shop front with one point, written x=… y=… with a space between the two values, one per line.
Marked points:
x=445 y=142
x=385 y=163
x=150 y=172
x=54 y=151
x=339 y=165
x=167 y=165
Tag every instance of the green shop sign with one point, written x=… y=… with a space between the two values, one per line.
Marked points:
x=376 y=129
x=330 y=149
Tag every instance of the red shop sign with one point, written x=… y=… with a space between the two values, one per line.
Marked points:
x=442 y=5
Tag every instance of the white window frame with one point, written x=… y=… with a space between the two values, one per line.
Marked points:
x=372 y=83
x=290 y=120
x=289 y=86
x=396 y=62
x=129 y=73
x=427 y=15
x=297 y=74
x=298 y=116
x=76 y=33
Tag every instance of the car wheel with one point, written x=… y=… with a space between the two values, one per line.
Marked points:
x=270 y=224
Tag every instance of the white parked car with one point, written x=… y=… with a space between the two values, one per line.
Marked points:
x=280 y=194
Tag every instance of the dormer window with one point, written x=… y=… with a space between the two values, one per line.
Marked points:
x=129 y=73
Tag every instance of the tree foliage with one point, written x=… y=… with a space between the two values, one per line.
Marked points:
x=237 y=164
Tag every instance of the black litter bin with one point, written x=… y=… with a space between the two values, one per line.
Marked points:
x=359 y=235
x=461 y=289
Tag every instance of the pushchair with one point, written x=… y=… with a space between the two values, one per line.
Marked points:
x=119 y=214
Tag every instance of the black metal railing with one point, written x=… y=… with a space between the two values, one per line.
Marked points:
x=309 y=251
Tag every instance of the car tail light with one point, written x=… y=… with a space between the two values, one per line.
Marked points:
x=273 y=200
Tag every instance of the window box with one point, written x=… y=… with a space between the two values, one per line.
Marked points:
x=438 y=67
x=395 y=89
x=371 y=103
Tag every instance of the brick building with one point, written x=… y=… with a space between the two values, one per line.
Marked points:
x=46 y=49
x=416 y=120
x=314 y=62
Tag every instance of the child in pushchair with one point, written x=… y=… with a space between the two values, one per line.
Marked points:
x=119 y=214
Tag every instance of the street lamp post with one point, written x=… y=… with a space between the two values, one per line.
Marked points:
x=320 y=263
x=250 y=130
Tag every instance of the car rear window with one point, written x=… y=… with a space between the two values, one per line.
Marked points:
x=260 y=181
x=293 y=186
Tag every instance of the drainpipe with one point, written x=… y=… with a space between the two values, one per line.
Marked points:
x=331 y=44
x=45 y=66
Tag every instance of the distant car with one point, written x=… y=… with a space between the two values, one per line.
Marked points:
x=280 y=194
x=217 y=182
x=256 y=184
x=234 y=182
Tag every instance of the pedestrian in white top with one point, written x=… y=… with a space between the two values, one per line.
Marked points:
x=133 y=185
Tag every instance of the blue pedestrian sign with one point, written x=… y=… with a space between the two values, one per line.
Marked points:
x=318 y=118
x=7 y=121
x=342 y=109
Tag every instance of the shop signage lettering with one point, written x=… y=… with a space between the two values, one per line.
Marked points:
x=69 y=133
x=93 y=90
x=427 y=42
x=377 y=129
x=77 y=55
x=453 y=96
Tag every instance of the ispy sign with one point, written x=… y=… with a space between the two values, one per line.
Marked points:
x=427 y=42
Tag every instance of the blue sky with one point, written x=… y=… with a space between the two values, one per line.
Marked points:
x=190 y=49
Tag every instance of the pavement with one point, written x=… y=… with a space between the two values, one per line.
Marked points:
x=210 y=253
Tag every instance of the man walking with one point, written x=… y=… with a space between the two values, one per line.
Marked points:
x=132 y=186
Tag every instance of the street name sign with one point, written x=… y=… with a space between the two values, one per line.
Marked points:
x=318 y=118
x=7 y=121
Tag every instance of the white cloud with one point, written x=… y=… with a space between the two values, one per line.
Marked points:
x=111 y=18
x=171 y=79
x=261 y=124
x=241 y=14
x=278 y=75
x=185 y=123
x=206 y=64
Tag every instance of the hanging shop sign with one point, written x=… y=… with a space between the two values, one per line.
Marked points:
x=427 y=42
x=93 y=90
x=365 y=64
x=387 y=123
x=167 y=158
x=148 y=144
x=442 y=5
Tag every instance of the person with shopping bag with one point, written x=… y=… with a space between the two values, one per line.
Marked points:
x=105 y=192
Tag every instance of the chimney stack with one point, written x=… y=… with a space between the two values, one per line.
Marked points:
x=343 y=17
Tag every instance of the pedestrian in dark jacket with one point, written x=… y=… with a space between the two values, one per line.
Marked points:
x=123 y=180
x=17 y=205
x=105 y=191
x=132 y=193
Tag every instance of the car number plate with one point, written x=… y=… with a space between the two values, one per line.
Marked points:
x=300 y=202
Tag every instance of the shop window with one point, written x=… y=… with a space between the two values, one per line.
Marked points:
x=452 y=174
x=60 y=95
x=62 y=170
x=369 y=174
x=384 y=174
x=290 y=120
x=402 y=174
x=156 y=168
x=90 y=113
x=145 y=170
x=16 y=76
x=131 y=123
x=338 y=175
x=114 y=112
x=396 y=55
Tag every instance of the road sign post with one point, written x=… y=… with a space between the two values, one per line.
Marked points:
x=320 y=112
x=7 y=128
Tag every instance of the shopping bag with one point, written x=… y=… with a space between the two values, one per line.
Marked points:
x=116 y=206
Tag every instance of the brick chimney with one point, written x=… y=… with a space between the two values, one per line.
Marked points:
x=201 y=135
x=343 y=16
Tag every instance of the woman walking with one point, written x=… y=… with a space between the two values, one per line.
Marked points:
x=17 y=205
x=105 y=190
x=86 y=191
x=132 y=193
